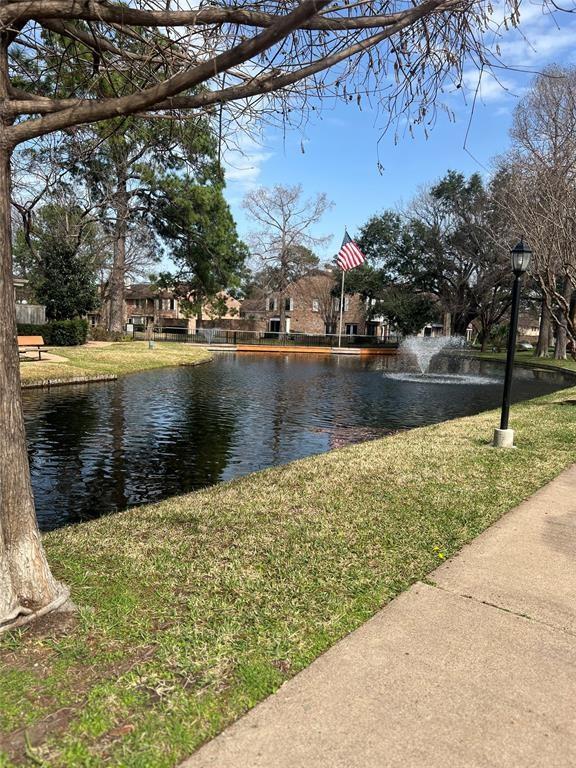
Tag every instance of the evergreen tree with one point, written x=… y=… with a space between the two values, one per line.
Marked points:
x=63 y=274
x=199 y=233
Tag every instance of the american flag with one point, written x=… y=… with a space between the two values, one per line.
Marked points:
x=349 y=255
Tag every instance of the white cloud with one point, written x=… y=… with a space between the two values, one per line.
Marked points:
x=243 y=164
x=490 y=87
x=541 y=38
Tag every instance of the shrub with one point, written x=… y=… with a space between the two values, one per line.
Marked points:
x=499 y=337
x=97 y=333
x=58 y=333
x=29 y=329
x=68 y=333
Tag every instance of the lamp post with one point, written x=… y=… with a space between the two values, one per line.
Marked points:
x=520 y=254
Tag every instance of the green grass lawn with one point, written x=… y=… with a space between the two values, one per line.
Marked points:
x=119 y=359
x=194 y=609
x=528 y=358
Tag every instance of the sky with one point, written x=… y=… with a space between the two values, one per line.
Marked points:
x=339 y=151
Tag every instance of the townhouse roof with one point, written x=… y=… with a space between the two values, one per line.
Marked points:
x=146 y=291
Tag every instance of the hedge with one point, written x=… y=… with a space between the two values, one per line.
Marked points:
x=58 y=333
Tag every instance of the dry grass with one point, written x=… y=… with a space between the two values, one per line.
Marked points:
x=119 y=359
x=42 y=370
x=194 y=609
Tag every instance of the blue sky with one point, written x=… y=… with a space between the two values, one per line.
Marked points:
x=342 y=148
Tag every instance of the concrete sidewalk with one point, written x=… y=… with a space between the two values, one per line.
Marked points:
x=476 y=669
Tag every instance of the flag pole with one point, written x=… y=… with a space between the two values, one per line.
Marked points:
x=341 y=310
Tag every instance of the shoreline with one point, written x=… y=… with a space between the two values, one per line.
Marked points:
x=88 y=364
x=546 y=363
x=47 y=383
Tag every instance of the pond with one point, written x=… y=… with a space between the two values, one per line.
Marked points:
x=103 y=447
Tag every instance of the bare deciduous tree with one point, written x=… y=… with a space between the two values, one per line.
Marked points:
x=282 y=243
x=275 y=57
x=541 y=169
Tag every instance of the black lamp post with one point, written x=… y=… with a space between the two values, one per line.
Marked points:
x=520 y=262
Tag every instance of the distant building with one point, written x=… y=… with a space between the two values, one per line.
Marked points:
x=312 y=306
x=529 y=326
x=432 y=330
x=145 y=305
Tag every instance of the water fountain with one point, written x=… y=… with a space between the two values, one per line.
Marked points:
x=422 y=350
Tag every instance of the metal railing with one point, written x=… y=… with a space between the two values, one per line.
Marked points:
x=261 y=338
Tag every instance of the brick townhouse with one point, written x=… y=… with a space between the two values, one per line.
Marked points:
x=312 y=305
x=145 y=305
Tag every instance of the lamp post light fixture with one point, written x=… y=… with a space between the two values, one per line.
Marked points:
x=520 y=254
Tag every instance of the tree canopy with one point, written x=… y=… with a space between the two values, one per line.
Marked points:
x=539 y=181
x=199 y=231
x=140 y=57
x=451 y=243
x=64 y=276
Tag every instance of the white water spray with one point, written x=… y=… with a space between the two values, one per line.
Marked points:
x=424 y=348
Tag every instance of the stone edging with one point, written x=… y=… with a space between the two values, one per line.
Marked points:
x=74 y=380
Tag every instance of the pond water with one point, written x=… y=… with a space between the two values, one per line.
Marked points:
x=104 y=447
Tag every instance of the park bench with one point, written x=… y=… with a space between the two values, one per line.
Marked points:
x=29 y=343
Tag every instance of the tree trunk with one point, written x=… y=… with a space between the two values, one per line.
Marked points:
x=561 y=335
x=118 y=276
x=542 y=347
x=572 y=316
x=561 y=341
x=26 y=584
x=282 y=311
x=460 y=323
x=485 y=330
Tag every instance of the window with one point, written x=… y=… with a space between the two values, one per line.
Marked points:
x=315 y=305
x=271 y=304
x=166 y=303
x=351 y=329
x=289 y=305
x=372 y=329
x=337 y=303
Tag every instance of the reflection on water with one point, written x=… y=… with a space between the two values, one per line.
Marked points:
x=103 y=447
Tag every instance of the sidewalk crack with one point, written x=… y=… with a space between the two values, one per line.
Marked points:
x=533 y=619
